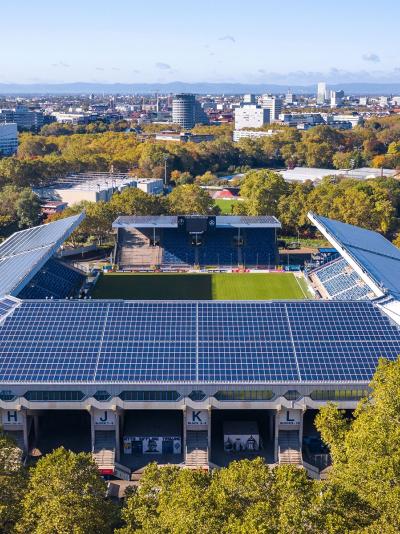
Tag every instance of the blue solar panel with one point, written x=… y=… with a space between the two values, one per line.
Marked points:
x=340 y=340
x=150 y=342
x=374 y=253
x=25 y=252
x=6 y=305
x=241 y=341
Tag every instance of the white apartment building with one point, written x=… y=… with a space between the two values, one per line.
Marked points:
x=273 y=104
x=251 y=116
x=8 y=139
x=251 y=134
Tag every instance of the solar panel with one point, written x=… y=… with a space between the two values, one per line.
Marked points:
x=340 y=340
x=6 y=305
x=375 y=254
x=39 y=236
x=25 y=252
x=245 y=342
x=148 y=342
x=225 y=342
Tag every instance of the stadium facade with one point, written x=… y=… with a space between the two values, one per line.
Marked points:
x=196 y=383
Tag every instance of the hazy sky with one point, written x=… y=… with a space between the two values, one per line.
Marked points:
x=289 y=42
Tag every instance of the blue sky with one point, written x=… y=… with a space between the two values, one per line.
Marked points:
x=257 y=41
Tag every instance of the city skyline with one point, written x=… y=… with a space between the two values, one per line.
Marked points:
x=214 y=42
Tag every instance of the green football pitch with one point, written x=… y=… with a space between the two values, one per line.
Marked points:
x=208 y=286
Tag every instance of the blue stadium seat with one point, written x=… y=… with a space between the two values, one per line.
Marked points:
x=54 y=280
x=341 y=282
x=177 y=248
x=259 y=246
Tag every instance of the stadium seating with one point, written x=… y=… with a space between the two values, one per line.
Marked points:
x=177 y=248
x=340 y=281
x=54 y=280
x=259 y=247
x=219 y=248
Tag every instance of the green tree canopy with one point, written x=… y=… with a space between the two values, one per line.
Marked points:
x=366 y=449
x=13 y=480
x=190 y=199
x=262 y=191
x=66 y=495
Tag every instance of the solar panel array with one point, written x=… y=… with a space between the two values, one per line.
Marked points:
x=377 y=256
x=23 y=253
x=155 y=342
x=6 y=305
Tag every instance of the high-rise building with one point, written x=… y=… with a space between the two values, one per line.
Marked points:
x=8 y=139
x=249 y=99
x=289 y=97
x=24 y=118
x=321 y=93
x=251 y=116
x=187 y=111
x=337 y=98
x=273 y=104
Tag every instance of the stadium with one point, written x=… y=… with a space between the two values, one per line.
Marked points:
x=193 y=375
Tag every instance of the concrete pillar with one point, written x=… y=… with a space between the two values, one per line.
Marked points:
x=25 y=431
x=117 y=435
x=276 y=436
x=92 y=431
x=209 y=431
x=36 y=426
x=301 y=427
x=184 y=433
x=271 y=426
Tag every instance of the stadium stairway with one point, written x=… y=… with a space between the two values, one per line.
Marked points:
x=104 y=449
x=196 y=449
x=289 y=451
x=134 y=250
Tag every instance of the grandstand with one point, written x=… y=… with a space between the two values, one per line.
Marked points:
x=337 y=280
x=196 y=383
x=183 y=242
x=25 y=253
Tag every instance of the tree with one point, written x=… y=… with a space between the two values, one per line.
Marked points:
x=133 y=201
x=181 y=178
x=293 y=207
x=13 y=479
x=262 y=191
x=208 y=178
x=190 y=199
x=28 y=208
x=366 y=450
x=66 y=495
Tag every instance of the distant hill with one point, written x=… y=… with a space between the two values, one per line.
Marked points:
x=198 y=88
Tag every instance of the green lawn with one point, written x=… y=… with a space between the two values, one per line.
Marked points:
x=213 y=286
x=225 y=205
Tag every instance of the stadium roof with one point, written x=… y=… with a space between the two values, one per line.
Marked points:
x=372 y=256
x=24 y=253
x=134 y=342
x=222 y=221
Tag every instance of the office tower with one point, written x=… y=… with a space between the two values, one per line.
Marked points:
x=187 y=111
x=337 y=98
x=273 y=104
x=8 y=139
x=23 y=117
x=289 y=97
x=321 y=93
x=251 y=116
x=249 y=99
